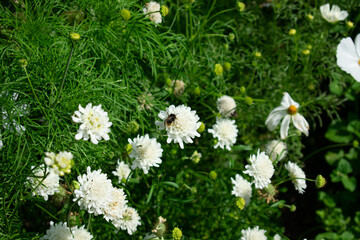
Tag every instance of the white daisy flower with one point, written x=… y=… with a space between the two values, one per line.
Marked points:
x=287 y=110
x=95 y=192
x=152 y=9
x=146 y=152
x=225 y=130
x=261 y=169
x=130 y=220
x=60 y=231
x=226 y=106
x=348 y=56
x=94 y=123
x=297 y=175
x=181 y=124
x=44 y=187
x=122 y=171
x=276 y=150
x=333 y=15
x=253 y=234
x=241 y=188
x=114 y=210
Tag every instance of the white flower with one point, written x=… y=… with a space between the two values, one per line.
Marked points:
x=261 y=169
x=297 y=175
x=241 y=188
x=225 y=130
x=152 y=9
x=333 y=15
x=115 y=209
x=181 y=124
x=130 y=220
x=1 y=144
x=287 y=110
x=122 y=171
x=94 y=123
x=60 y=231
x=253 y=234
x=61 y=162
x=44 y=187
x=95 y=192
x=178 y=86
x=276 y=150
x=146 y=153
x=277 y=237
x=226 y=106
x=348 y=56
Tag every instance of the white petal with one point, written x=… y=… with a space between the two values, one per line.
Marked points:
x=284 y=129
x=357 y=44
x=325 y=8
x=287 y=101
x=343 y=15
x=274 y=118
x=79 y=136
x=301 y=124
x=346 y=47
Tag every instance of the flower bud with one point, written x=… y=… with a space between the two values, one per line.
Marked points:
x=226 y=46
x=240 y=6
x=213 y=175
x=355 y=143
x=227 y=66
x=306 y=52
x=257 y=54
x=125 y=14
x=310 y=17
x=128 y=148
x=292 y=208
x=349 y=24
x=242 y=89
x=177 y=233
x=75 y=37
x=195 y=157
x=218 y=69
x=240 y=203
x=320 y=181
x=133 y=127
x=201 y=128
x=168 y=82
x=75 y=184
x=248 y=100
x=292 y=32
x=164 y=10
x=231 y=37
x=197 y=91
x=23 y=62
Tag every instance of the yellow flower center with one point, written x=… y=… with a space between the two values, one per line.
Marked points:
x=292 y=110
x=359 y=62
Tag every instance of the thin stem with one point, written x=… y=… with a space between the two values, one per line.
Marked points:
x=325 y=148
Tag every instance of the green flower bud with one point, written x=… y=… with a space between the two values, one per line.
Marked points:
x=292 y=32
x=177 y=233
x=248 y=100
x=242 y=89
x=168 y=82
x=257 y=54
x=213 y=175
x=75 y=37
x=231 y=37
x=240 y=203
x=164 y=11
x=128 y=148
x=320 y=181
x=201 y=128
x=133 y=127
x=227 y=66
x=292 y=208
x=218 y=69
x=306 y=52
x=240 y=6
x=197 y=91
x=349 y=24
x=355 y=143
x=125 y=14
x=310 y=17
x=226 y=46
x=75 y=184
x=23 y=62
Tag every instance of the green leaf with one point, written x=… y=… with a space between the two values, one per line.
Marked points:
x=344 y=166
x=349 y=183
x=171 y=184
x=327 y=235
x=332 y=157
x=150 y=193
x=327 y=199
x=335 y=88
x=347 y=235
x=352 y=154
x=338 y=133
x=354 y=127
x=335 y=176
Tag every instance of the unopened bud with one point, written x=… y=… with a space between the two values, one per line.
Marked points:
x=292 y=32
x=227 y=66
x=240 y=203
x=320 y=181
x=212 y=175
x=75 y=37
x=164 y=10
x=125 y=14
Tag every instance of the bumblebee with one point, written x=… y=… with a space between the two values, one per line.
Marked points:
x=170 y=119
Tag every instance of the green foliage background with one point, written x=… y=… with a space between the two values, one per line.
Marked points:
x=116 y=61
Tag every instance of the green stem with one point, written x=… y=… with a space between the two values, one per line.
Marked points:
x=325 y=148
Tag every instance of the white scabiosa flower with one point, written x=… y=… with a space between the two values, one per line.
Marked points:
x=226 y=106
x=287 y=110
x=130 y=220
x=115 y=209
x=95 y=192
x=146 y=152
x=276 y=150
x=333 y=15
x=94 y=123
x=253 y=234
x=122 y=171
x=61 y=162
x=60 y=231
x=152 y=11
x=348 y=56
x=297 y=175
x=178 y=86
x=181 y=124
x=81 y=233
x=277 y=237
x=225 y=131
x=261 y=168
x=44 y=187
x=241 y=188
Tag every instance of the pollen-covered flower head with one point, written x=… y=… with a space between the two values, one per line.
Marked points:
x=241 y=188
x=122 y=171
x=130 y=220
x=225 y=130
x=44 y=187
x=181 y=124
x=95 y=192
x=261 y=168
x=333 y=15
x=297 y=175
x=178 y=87
x=61 y=162
x=276 y=150
x=94 y=123
x=152 y=9
x=288 y=110
x=348 y=56
x=146 y=152
x=226 y=106
x=253 y=234
x=114 y=210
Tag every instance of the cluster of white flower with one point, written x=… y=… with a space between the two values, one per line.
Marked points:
x=297 y=175
x=146 y=152
x=241 y=188
x=122 y=171
x=226 y=106
x=61 y=162
x=94 y=123
x=276 y=150
x=60 y=231
x=45 y=182
x=261 y=168
x=225 y=130
x=97 y=195
x=181 y=124
x=253 y=233
x=152 y=11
